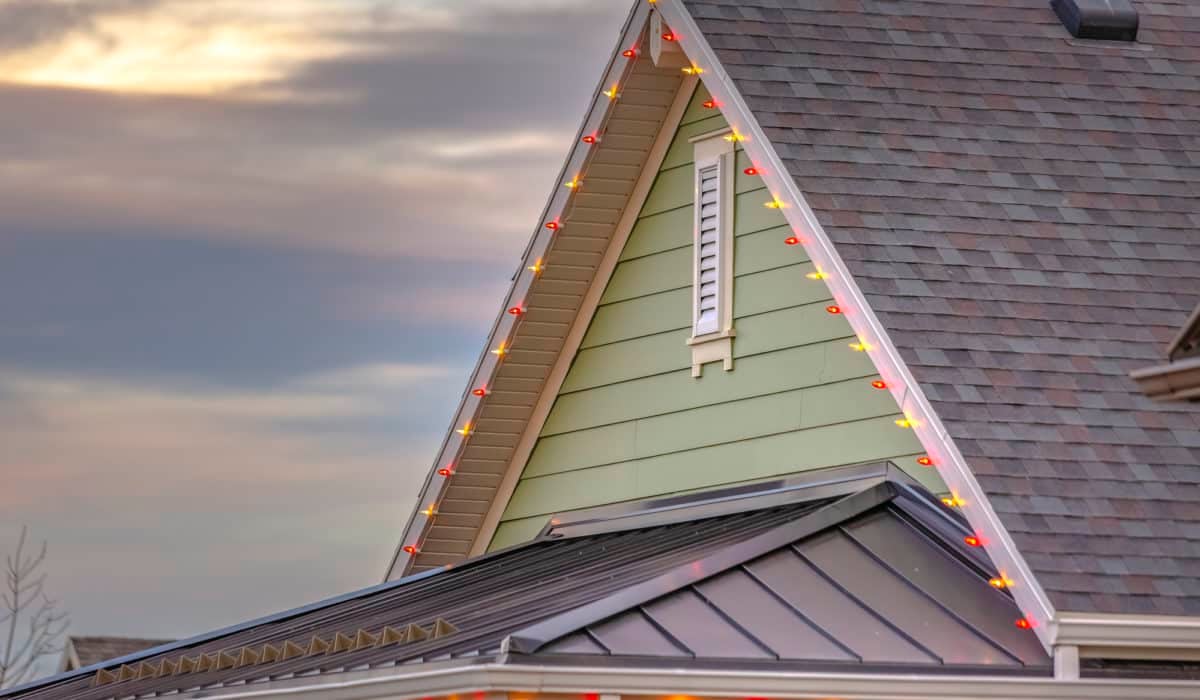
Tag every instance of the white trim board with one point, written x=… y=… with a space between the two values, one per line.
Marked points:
x=568 y=683
x=930 y=431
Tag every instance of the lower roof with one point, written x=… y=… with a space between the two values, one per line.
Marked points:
x=854 y=569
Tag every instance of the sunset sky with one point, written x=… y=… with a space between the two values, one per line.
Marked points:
x=248 y=254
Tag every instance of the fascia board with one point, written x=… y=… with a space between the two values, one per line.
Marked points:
x=929 y=429
x=532 y=680
x=1130 y=631
x=504 y=326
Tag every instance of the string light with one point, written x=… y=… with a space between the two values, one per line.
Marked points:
x=430 y=511
x=709 y=104
x=553 y=225
x=692 y=70
x=612 y=93
x=573 y=184
x=818 y=275
x=879 y=384
x=1024 y=623
x=999 y=582
x=773 y=204
x=860 y=346
x=953 y=501
x=516 y=311
x=903 y=423
x=668 y=36
x=833 y=309
x=973 y=541
x=409 y=549
x=445 y=471
x=481 y=391
x=925 y=461
x=734 y=137
x=500 y=350
x=465 y=430
x=629 y=53
x=589 y=139
x=751 y=171
x=791 y=240
x=537 y=267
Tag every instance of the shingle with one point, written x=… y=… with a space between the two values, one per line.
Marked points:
x=1021 y=212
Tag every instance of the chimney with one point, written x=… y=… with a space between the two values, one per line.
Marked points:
x=1115 y=20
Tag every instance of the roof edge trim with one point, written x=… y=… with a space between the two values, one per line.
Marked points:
x=929 y=429
x=1133 y=631
x=505 y=676
x=530 y=639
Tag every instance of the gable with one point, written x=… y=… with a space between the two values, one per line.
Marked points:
x=630 y=421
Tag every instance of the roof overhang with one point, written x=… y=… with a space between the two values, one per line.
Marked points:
x=502 y=678
x=1128 y=636
x=1174 y=381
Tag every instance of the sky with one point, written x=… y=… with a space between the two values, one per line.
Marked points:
x=249 y=252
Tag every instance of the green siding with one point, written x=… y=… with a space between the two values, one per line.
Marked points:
x=630 y=421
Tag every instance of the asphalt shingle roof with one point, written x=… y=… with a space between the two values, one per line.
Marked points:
x=1021 y=209
x=93 y=649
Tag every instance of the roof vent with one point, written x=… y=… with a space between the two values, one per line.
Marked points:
x=1115 y=20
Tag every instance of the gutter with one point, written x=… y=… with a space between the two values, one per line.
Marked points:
x=497 y=679
x=1174 y=381
x=1129 y=636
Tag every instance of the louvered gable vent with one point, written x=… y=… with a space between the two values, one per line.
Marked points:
x=708 y=273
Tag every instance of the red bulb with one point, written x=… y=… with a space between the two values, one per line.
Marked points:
x=553 y=225
x=480 y=392
x=589 y=139
x=709 y=104
x=444 y=471
x=791 y=240
x=834 y=309
x=751 y=171
x=408 y=548
x=668 y=36
x=516 y=311
x=925 y=461
x=629 y=53
x=879 y=384
x=972 y=541
x=1024 y=624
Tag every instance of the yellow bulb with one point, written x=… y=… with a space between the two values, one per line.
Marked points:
x=573 y=184
x=500 y=350
x=773 y=204
x=734 y=137
x=904 y=422
x=537 y=267
x=953 y=501
x=859 y=347
x=693 y=70
x=612 y=93
x=465 y=430
x=816 y=275
x=431 y=510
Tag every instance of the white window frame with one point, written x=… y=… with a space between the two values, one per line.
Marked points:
x=714 y=342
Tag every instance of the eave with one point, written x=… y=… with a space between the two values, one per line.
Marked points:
x=1174 y=381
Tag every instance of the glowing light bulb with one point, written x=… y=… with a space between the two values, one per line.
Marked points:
x=589 y=139
x=612 y=93
x=734 y=137
x=953 y=501
x=860 y=346
x=668 y=36
x=500 y=350
x=973 y=541
x=465 y=430
x=773 y=204
x=516 y=311
x=999 y=582
x=574 y=184
x=903 y=423
x=445 y=471
x=481 y=391
x=553 y=225
x=818 y=275
x=833 y=309
x=409 y=549
x=925 y=461
x=879 y=384
x=791 y=240
x=430 y=510
x=537 y=267
x=1024 y=623
x=751 y=171
x=692 y=70
x=629 y=53
x=709 y=104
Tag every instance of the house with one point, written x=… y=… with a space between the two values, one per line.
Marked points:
x=825 y=376
x=81 y=651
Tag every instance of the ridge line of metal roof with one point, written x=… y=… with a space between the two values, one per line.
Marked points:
x=534 y=637
x=811 y=485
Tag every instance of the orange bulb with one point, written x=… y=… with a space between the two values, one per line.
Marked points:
x=791 y=240
x=751 y=171
x=553 y=225
x=709 y=104
x=589 y=139
x=480 y=392
x=925 y=461
x=668 y=36
x=1024 y=623
x=629 y=53
x=998 y=582
x=973 y=541
x=879 y=384
x=445 y=471
x=516 y=311
x=408 y=548
x=834 y=309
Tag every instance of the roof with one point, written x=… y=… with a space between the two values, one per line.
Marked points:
x=853 y=568
x=84 y=650
x=1019 y=208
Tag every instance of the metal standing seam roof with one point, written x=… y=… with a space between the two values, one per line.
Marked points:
x=1020 y=209
x=859 y=570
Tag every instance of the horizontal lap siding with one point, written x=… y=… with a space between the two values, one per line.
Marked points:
x=631 y=422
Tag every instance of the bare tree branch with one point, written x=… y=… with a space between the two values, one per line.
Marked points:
x=23 y=598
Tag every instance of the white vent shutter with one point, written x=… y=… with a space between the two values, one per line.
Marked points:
x=708 y=255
